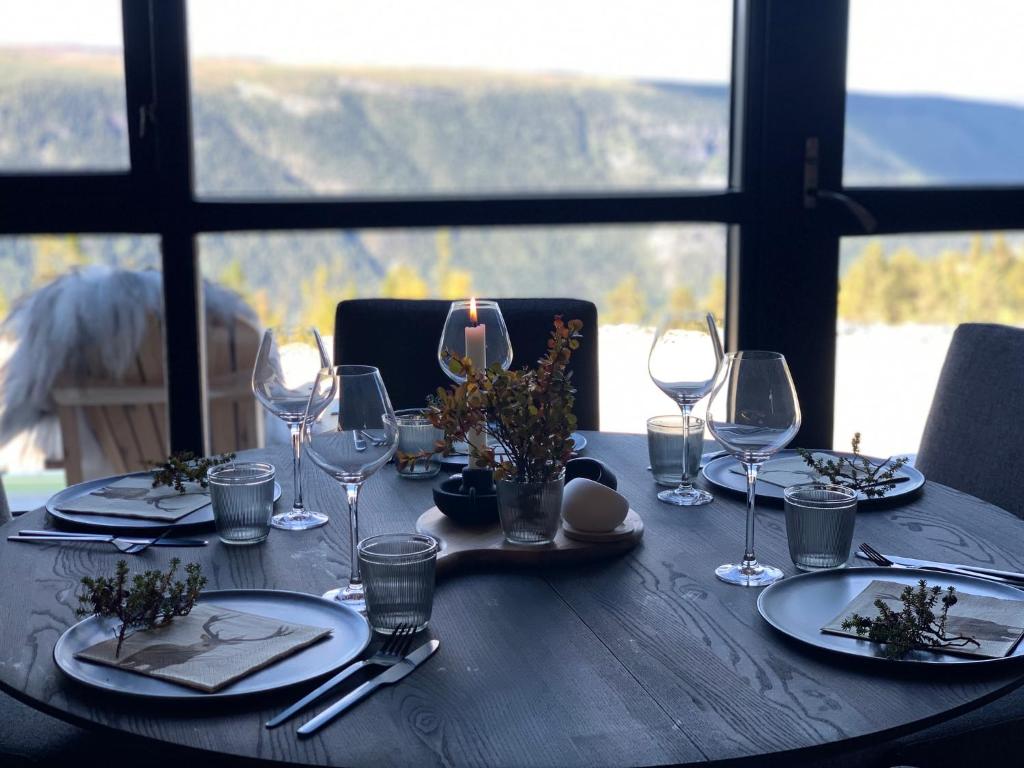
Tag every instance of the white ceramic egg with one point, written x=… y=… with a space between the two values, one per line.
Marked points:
x=590 y=506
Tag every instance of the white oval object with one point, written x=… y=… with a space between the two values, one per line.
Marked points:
x=590 y=506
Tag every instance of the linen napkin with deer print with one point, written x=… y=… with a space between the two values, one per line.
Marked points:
x=208 y=649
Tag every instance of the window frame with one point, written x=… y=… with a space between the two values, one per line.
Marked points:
x=788 y=85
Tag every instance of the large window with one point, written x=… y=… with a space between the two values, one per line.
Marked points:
x=936 y=95
x=643 y=155
x=633 y=274
x=900 y=299
x=62 y=86
x=328 y=97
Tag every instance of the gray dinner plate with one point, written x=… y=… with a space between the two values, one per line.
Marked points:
x=114 y=523
x=459 y=461
x=800 y=606
x=719 y=473
x=349 y=636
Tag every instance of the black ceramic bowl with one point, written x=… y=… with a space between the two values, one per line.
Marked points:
x=592 y=469
x=473 y=506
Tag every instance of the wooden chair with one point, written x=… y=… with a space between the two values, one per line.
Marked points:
x=128 y=417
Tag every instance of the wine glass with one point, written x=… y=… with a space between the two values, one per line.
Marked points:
x=754 y=414
x=685 y=358
x=474 y=329
x=286 y=367
x=350 y=439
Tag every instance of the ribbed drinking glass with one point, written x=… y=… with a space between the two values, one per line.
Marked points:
x=398 y=574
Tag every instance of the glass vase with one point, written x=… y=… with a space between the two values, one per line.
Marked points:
x=530 y=512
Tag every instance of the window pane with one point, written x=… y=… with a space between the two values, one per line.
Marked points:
x=631 y=273
x=62 y=97
x=935 y=93
x=345 y=97
x=77 y=322
x=900 y=299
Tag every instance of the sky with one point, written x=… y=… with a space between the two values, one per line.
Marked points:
x=946 y=47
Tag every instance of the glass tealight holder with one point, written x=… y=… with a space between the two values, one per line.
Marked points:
x=417 y=435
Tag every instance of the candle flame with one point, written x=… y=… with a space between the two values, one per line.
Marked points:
x=472 y=310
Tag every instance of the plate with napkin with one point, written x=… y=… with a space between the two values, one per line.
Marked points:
x=233 y=643
x=131 y=503
x=811 y=607
x=788 y=468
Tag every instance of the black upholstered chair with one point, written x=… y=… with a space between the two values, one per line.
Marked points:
x=400 y=336
x=973 y=439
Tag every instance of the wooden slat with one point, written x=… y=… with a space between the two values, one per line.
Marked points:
x=222 y=417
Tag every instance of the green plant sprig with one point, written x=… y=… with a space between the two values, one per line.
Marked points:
x=184 y=467
x=151 y=600
x=528 y=412
x=914 y=626
x=858 y=472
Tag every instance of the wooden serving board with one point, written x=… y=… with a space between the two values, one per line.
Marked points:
x=462 y=546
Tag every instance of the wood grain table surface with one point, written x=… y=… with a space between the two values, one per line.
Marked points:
x=646 y=659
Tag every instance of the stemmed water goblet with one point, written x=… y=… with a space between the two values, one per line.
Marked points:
x=350 y=439
x=753 y=413
x=685 y=358
x=282 y=380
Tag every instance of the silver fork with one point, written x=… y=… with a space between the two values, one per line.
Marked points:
x=878 y=558
x=390 y=653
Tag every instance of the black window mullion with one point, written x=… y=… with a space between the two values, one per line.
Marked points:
x=173 y=171
x=786 y=267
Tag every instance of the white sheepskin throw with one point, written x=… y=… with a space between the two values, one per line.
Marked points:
x=88 y=324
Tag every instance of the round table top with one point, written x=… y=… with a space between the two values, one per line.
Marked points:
x=644 y=659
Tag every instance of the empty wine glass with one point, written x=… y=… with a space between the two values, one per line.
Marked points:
x=685 y=358
x=754 y=414
x=350 y=439
x=287 y=364
x=474 y=329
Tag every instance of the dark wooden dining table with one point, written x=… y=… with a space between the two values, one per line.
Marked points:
x=643 y=659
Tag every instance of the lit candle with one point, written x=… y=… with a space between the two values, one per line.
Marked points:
x=476 y=351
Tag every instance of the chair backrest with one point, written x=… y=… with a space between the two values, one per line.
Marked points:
x=127 y=417
x=400 y=337
x=973 y=439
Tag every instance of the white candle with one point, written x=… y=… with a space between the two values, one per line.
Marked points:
x=476 y=351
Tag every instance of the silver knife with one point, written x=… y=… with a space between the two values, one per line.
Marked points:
x=387 y=677
x=64 y=536
x=971 y=569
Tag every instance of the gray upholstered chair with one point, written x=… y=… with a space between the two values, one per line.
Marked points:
x=973 y=440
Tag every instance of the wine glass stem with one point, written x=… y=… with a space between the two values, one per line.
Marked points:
x=296 y=430
x=748 y=550
x=685 y=483
x=355 y=579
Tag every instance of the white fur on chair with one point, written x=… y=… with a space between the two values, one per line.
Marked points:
x=87 y=324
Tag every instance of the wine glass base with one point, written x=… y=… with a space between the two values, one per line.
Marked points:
x=298 y=520
x=749 y=574
x=352 y=596
x=693 y=497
